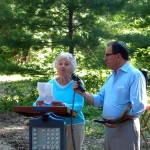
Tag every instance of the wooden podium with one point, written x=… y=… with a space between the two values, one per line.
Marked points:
x=47 y=126
x=32 y=111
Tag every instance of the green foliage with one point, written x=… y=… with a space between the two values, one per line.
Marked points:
x=84 y=26
x=57 y=24
x=17 y=93
x=7 y=105
x=11 y=68
x=90 y=111
x=90 y=114
x=141 y=58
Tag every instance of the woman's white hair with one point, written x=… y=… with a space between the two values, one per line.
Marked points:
x=66 y=55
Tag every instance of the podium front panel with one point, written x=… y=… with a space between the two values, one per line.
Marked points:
x=47 y=134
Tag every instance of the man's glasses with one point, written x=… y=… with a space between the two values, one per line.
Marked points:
x=109 y=54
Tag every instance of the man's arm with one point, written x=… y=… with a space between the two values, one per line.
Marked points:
x=85 y=94
x=88 y=97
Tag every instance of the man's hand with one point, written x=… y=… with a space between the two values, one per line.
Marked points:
x=76 y=87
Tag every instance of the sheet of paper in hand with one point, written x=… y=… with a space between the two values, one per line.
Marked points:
x=45 y=91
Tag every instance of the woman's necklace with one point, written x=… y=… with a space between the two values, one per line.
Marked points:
x=63 y=81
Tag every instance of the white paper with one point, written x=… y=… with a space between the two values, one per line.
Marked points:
x=45 y=91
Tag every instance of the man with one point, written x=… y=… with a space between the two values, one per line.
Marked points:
x=125 y=85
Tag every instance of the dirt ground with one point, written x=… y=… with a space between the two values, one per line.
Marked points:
x=13 y=131
x=14 y=134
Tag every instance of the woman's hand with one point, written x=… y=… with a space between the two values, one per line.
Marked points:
x=57 y=103
x=40 y=103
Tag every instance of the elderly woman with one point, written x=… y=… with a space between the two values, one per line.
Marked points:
x=64 y=95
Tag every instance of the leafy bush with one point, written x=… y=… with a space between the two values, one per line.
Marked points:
x=91 y=113
x=141 y=58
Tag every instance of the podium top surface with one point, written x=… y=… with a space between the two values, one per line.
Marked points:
x=31 y=111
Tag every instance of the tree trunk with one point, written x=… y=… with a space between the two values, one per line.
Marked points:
x=70 y=31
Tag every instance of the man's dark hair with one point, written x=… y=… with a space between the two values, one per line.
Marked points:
x=119 y=47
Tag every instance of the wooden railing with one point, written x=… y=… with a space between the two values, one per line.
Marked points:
x=145 y=126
